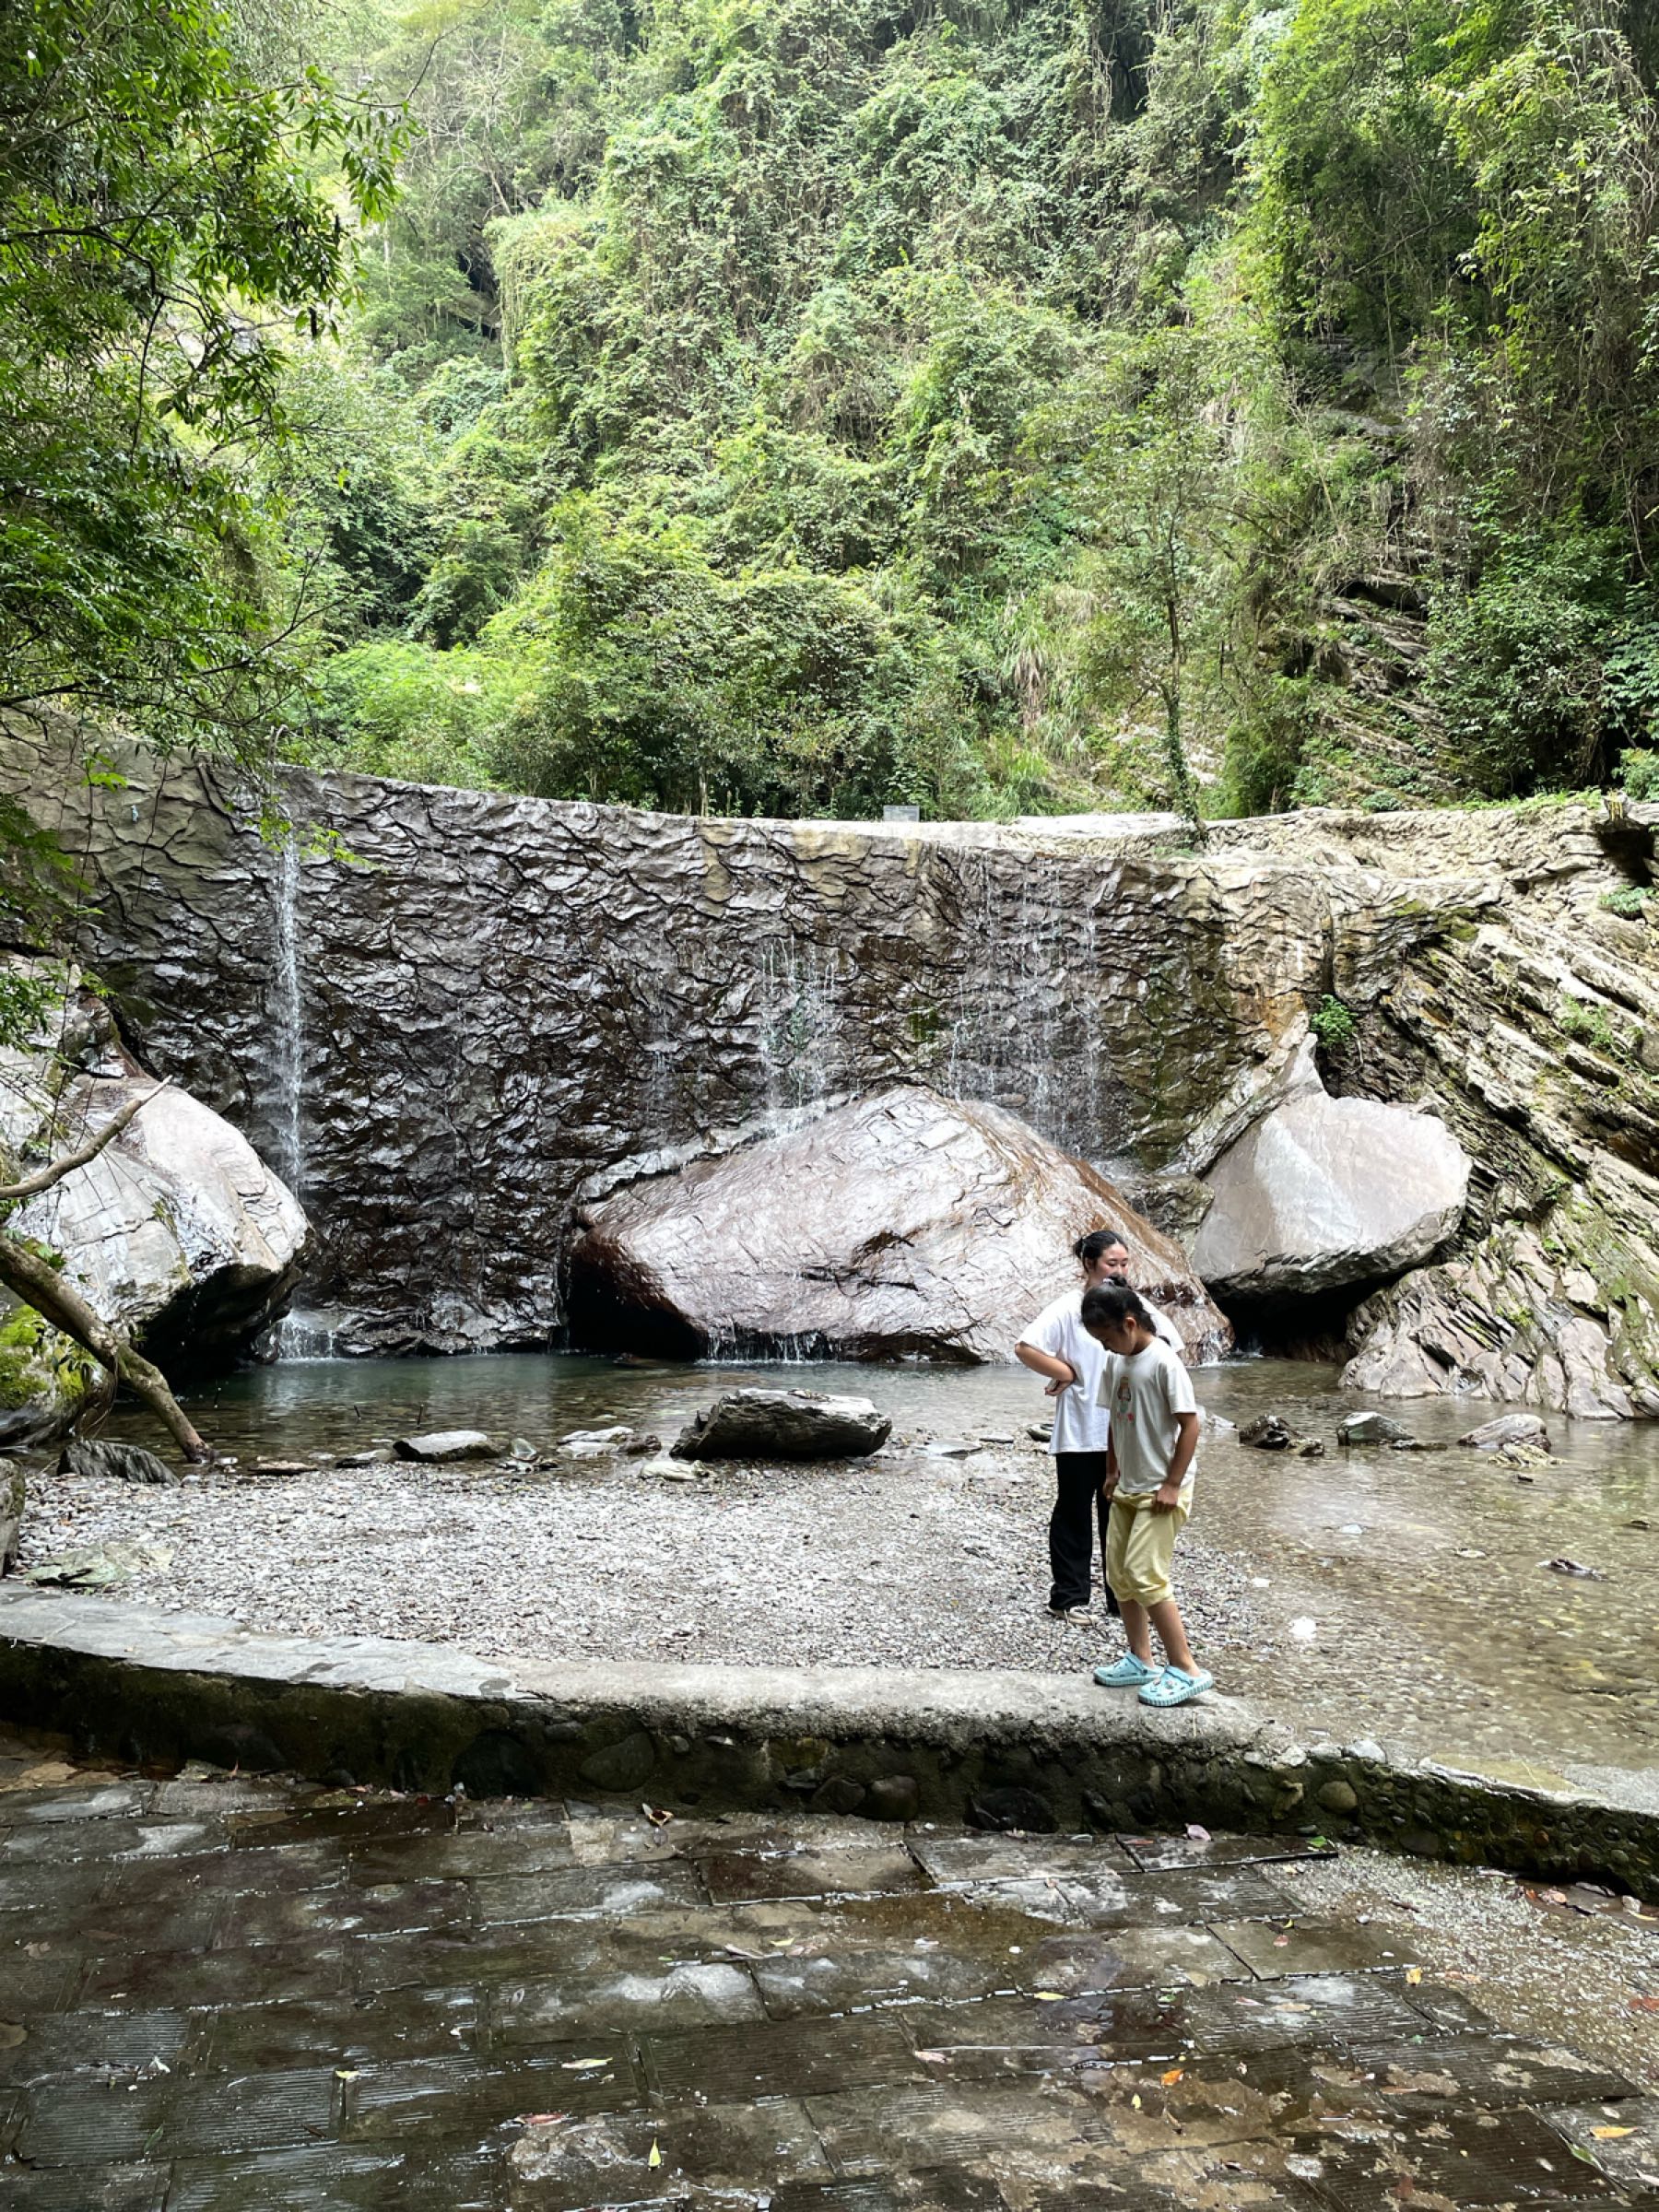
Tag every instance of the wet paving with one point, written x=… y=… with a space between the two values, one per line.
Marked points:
x=220 y=1994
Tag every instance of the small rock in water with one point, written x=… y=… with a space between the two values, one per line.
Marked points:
x=605 y=1437
x=521 y=1448
x=1369 y=1427
x=1269 y=1433
x=127 y=1463
x=1508 y=1428
x=1217 y=1424
x=448 y=1443
x=1307 y=1447
x=783 y=1424
x=378 y=1457
x=641 y=1447
x=1587 y=1574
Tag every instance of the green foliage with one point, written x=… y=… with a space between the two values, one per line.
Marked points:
x=1333 y=1024
x=1547 y=665
x=1638 y=773
x=1014 y=407
x=1589 y=1023
x=1630 y=901
x=162 y=226
x=398 y=708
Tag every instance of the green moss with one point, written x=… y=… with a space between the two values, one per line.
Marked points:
x=37 y=1362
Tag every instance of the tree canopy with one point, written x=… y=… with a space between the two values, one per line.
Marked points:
x=165 y=238
x=999 y=404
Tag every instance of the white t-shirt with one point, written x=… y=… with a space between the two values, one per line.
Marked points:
x=1081 y=1421
x=1144 y=1394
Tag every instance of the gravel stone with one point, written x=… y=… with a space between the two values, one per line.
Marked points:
x=908 y=1562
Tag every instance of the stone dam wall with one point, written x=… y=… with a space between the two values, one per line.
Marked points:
x=444 y=1014
x=449 y=1018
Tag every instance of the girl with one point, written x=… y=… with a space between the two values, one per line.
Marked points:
x=1146 y=1388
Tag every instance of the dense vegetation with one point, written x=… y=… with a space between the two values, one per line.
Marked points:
x=996 y=404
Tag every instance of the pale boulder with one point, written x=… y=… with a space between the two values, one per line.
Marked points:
x=1323 y=1192
x=908 y=1224
x=176 y=1232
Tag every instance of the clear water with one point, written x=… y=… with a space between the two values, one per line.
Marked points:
x=1407 y=1594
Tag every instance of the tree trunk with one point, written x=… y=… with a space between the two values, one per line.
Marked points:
x=40 y=1285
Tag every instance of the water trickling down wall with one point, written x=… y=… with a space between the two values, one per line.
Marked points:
x=495 y=1005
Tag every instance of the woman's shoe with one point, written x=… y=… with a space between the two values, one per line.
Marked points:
x=1127 y=1672
x=1175 y=1687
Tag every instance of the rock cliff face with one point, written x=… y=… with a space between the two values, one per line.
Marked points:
x=451 y=1019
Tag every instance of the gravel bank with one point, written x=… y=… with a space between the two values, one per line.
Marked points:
x=1558 y=1965
x=906 y=1560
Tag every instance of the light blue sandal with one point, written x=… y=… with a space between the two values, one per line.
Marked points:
x=1175 y=1688
x=1127 y=1672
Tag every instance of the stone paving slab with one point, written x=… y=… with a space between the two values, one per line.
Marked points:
x=916 y=2020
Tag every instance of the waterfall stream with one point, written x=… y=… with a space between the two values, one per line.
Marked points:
x=287 y=1029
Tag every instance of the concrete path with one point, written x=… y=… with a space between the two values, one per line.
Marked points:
x=224 y=1996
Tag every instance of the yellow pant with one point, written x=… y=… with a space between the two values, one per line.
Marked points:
x=1140 y=1548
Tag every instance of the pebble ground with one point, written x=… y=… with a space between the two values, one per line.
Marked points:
x=907 y=1560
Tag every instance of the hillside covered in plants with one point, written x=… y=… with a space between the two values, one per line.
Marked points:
x=1005 y=405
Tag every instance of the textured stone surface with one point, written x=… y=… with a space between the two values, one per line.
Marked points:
x=176 y=1231
x=907 y=1224
x=323 y=2024
x=783 y=1424
x=1023 y=1749
x=124 y=1463
x=1508 y=1428
x=14 y=1494
x=1321 y=1192
x=513 y=1007
x=448 y=1443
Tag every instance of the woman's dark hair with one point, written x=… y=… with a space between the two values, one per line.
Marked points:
x=1095 y=1245
x=1103 y=1307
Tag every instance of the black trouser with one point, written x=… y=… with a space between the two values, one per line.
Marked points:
x=1079 y=1508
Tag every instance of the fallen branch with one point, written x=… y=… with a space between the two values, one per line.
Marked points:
x=40 y=1285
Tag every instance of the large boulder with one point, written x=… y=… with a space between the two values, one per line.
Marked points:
x=907 y=1224
x=783 y=1424
x=1321 y=1193
x=176 y=1231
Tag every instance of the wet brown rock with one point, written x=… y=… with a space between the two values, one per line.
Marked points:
x=908 y=1224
